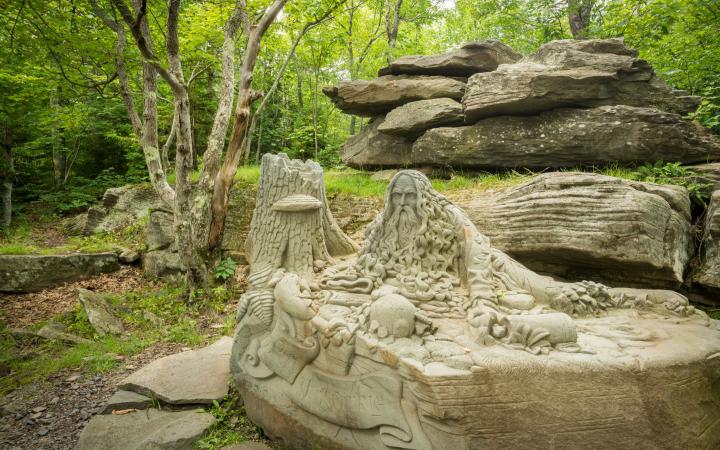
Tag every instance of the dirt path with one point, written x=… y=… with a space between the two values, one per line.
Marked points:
x=51 y=414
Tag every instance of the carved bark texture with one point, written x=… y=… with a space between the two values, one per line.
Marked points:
x=293 y=239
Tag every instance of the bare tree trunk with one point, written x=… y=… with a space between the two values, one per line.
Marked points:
x=392 y=24
x=58 y=155
x=259 y=141
x=579 y=12
x=223 y=181
x=299 y=82
x=7 y=175
x=164 y=154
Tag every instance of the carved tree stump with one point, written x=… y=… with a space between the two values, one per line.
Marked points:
x=292 y=226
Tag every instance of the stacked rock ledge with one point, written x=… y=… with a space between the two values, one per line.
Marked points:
x=569 y=104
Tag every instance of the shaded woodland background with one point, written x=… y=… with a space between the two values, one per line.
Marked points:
x=65 y=132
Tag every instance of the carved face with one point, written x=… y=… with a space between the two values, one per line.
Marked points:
x=404 y=193
x=404 y=219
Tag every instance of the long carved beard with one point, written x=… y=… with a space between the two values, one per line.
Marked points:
x=405 y=221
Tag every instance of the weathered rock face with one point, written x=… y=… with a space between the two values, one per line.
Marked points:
x=549 y=109
x=121 y=207
x=473 y=57
x=707 y=275
x=571 y=73
x=145 y=430
x=100 y=314
x=192 y=377
x=588 y=226
x=30 y=273
x=412 y=119
x=162 y=259
x=378 y=96
x=568 y=137
x=371 y=148
x=159 y=233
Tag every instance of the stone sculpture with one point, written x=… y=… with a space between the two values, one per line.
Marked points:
x=431 y=338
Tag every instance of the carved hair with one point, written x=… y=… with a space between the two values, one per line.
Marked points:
x=436 y=247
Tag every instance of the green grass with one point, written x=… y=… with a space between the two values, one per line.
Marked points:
x=230 y=424
x=32 y=359
x=23 y=241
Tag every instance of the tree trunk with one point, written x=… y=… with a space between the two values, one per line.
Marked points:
x=7 y=175
x=164 y=154
x=579 y=12
x=58 y=155
x=258 y=145
x=292 y=225
x=392 y=25
x=299 y=82
x=224 y=178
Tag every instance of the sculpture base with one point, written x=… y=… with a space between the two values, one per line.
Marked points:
x=646 y=382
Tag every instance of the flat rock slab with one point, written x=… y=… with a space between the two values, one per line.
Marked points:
x=100 y=313
x=412 y=119
x=31 y=273
x=145 y=430
x=192 y=377
x=572 y=73
x=568 y=137
x=122 y=400
x=473 y=57
x=378 y=96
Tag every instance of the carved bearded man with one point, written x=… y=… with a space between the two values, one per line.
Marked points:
x=427 y=248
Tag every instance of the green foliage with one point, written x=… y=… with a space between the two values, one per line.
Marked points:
x=674 y=173
x=229 y=420
x=708 y=113
x=225 y=269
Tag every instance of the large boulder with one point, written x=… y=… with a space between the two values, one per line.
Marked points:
x=589 y=226
x=412 y=119
x=371 y=148
x=378 y=96
x=163 y=264
x=571 y=73
x=706 y=277
x=31 y=273
x=121 y=207
x=568 y=137
x=162 y=259
x=473 y=57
